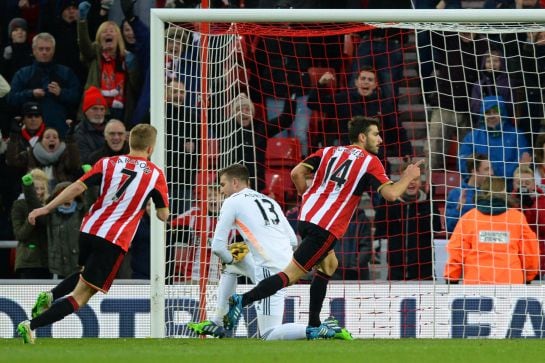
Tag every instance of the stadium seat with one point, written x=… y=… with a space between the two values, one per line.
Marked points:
x=278 y=184
x=442 y=182
x=283 y=152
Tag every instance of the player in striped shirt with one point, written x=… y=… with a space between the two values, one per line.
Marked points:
x=126 y=183
x=341 y=175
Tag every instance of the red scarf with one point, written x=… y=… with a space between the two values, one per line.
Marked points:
x=32 y=139
x=113 y=79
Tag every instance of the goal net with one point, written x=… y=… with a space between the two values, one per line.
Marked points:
x=465 y=96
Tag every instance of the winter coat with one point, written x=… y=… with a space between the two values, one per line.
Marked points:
x=452 y=213
x=63 y=239
x=88 y=138
x=492 y=247
x=500 y=84
x=406 y=225
x=31 y=249
x=503 y=146
x=56 y=109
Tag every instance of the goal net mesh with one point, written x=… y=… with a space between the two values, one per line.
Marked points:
x=267 y=95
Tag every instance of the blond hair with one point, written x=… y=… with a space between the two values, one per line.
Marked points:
x=38 y=175
x=523 y=169
x=142 y=136
x=120 y=42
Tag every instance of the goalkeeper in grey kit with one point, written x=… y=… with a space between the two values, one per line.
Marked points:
x=269 y=237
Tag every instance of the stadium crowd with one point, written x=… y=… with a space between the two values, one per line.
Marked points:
x=74 y=79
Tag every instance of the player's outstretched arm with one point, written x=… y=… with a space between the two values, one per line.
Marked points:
x=392 y=192
x=69 y=193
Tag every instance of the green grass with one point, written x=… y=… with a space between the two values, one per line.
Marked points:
x=256 y=351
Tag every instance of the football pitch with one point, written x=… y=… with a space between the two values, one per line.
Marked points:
x=257 y=351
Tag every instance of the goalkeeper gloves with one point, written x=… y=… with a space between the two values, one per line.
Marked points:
x=238 y=250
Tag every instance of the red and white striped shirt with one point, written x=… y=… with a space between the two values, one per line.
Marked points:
x=341 y=175
x=126 y=183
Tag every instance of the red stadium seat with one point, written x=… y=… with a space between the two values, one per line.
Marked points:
x=278 y=184
x=283 y=152
x=442 y=182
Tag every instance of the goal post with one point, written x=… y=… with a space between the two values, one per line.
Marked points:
x=214 y=78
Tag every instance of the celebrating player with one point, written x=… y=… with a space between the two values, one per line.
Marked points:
x=269 y=237
x=127 y=182
x=341 y=175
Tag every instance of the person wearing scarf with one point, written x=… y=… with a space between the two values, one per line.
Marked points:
x=23 y=137
x=59 y=160
x=492 y=243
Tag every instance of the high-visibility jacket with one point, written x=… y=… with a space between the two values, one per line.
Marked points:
x=492 y=249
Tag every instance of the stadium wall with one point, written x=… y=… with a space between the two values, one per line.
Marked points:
x=368 y=311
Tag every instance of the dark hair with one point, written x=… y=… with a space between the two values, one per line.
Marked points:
x=360 y=125
x=237 y=171
x=474 y=162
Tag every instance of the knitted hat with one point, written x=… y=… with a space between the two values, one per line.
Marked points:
x=17 y=23
x=93 y=97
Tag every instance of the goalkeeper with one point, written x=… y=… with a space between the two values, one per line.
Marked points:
x=270 y=239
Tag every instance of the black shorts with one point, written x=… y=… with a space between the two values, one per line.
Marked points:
x=100 y=259
x=315 y=245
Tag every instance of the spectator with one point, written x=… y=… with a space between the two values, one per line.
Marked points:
x=381 y=49
x=140 y=247
x=362 y=100
x=64 y=29
x=497 y=138
x=89 y=132
x=251 y=144
x=494 y=81
x=461 y=199
x=112 y=69
x=531 y=200
x=284 y=74
x=492 y=243
x=54 y=86
x=183 y=143
x=59 y=160
x=24 y=138
x=136 y=35
x=31 y=254
x=533 y=62
x=455 y=58
x=406 y=225
x=63 y=232
x=188 y=239
x=18 y=53
x=115 y=137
